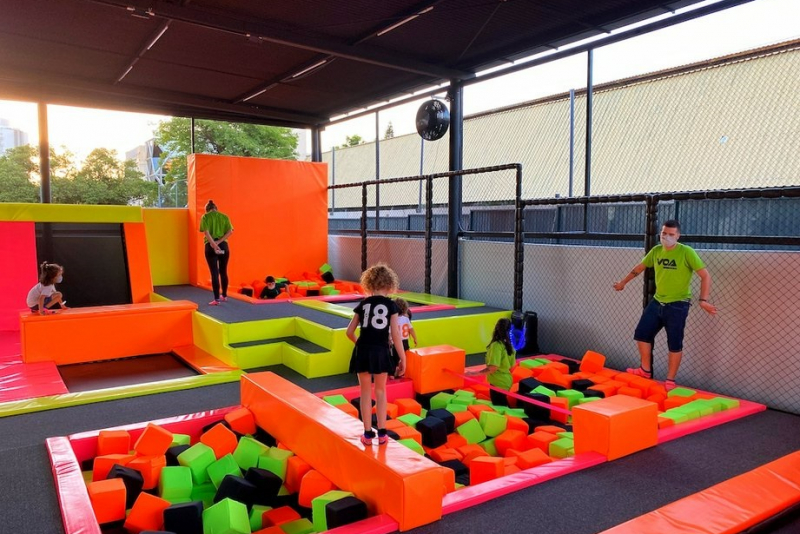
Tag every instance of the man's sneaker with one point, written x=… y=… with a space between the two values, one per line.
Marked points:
x=367 y=437
x=638 y=371
x=382 y=437
x=669 y=385
x=214 y=303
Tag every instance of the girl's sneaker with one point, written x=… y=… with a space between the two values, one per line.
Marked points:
x=214 y=303
x=367 y=437
x=382 y=437
x=223 y=299
x=669 y=385
x=640 y=372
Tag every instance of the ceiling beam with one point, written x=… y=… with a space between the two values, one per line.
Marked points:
x=266 y=32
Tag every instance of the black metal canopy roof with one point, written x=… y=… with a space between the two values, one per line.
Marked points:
x=282 y=62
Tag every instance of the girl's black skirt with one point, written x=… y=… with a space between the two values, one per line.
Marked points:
x=372 y=359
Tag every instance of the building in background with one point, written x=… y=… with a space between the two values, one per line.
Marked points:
x=148 y=161
x=11 y=137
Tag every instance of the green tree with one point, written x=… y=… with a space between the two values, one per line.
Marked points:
x=213 y=137
x=389 y=133
x=352 y=140
x=16 y=175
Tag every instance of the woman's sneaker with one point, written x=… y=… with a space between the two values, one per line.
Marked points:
x=640 y=372
x=382 y=437
x=367 y=437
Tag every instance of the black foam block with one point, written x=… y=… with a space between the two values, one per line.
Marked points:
x=184 y=518
x=172 y=454
x=356 y=401
x=345 y=511
x=238 y=489
x=535 y=411
x=267 y=484
x=463 y=480
x=209 y=426
x=264 y=437
x=526 y=385
x=132 y=479
x=458 y=467
x=446 y=416
x=582 y=384
x=594 y=393
x=433 y=431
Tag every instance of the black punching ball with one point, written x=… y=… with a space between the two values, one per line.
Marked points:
x=433 y=119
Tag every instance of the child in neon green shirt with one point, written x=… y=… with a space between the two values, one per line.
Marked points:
x=500 y=358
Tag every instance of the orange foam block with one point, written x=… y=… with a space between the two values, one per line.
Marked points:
x=312 y=486
x=220 y=439
x=405 y=406
x=592 y=362
x=410 y=485
x=241 y=421
x=113 y=442
x=427 y=368
x=147 y=513
x=615 y=426
x=510 y=439
x=103 y=464
x=150 y=467
x=529 y=458
x=296 y=469
x=108 y=499
x=279 y=516
x=485 y=468
x=154 y=441
x=348 y=409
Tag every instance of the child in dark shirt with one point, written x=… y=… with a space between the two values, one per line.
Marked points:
x=372 y=359
x=271 y=291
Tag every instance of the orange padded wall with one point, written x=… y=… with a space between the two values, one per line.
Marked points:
x=278 y=210
x=19 y=268
x=138 y=262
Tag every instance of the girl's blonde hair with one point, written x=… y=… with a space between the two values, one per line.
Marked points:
x=402 y=306
x=379 y=277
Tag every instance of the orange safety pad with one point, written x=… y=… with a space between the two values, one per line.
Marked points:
x=275 y=205
x=410 y=484
x=615 y=427
x=138 y=261
x=428 y=368
x=79 y=335
x=20 y=271
x=731 y=506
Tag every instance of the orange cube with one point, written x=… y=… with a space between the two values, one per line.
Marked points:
x=296 y=469
x=463 y=417
x=405 y=406
x=561 y=402
x=312 y=486
x=476 y=409
x=150 y=467
x=520 y=373
x=147 y=513
x=154 y=441
x=630 y=391
x=515 y=423
x=485 y=468
x=455 y=440
x=103 y=464
x=113 y=442
x=348 y=409
x=241 y=421
x=470 y=452
x=391 y=410
x=674 y=402
x=279 y=516
x=428 y=368
x=530 y=458
x=592 y=362
x=270 y=530
x=541 y=440
x=610 y=373
x=616 y=426
x=444 y=453
x=108 y=499
x=406 y=432
x=664 y=422
x=392 y=424
x=221 y=439
x=553 y=429
x=509 y=439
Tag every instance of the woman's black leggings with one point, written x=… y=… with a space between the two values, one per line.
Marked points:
x=218 y=265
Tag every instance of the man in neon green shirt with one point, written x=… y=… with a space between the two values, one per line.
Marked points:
x=674 y=264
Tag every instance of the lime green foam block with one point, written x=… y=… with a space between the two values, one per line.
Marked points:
x=412 y=444
x=515 y=412
x=729 y=404
x=461 y=399
x=544 y=391
x=492 y=423
x=571 y=395
x=325 y=268
x=530 y=363
x=247 y=452
x=500 y=409
x=204 y=492
x=489 y=446
x=440 y=400
x=562 y=448
x=472 y=431
x=568 y=435
x=197 y=458
x=222 y=467
x=410 y=419
x=588 y=399
x=226 y=517
x=454 y=407
x=681 y=392
x=180 y=439
x=691 y=412
x=335 y=400
x=256 y=516
x=677 y=417
x=175 y=482
x=318 y=504
x=298 y=526
x=275 y=461
x=703 y=406
x=464 y=394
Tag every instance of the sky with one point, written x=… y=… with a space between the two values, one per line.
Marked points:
x=755 y=24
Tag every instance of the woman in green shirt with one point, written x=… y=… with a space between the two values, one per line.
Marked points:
x=217 y=228
x=500 y=358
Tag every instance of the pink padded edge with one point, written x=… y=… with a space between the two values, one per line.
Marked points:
x=684 y=429
x=76 y=508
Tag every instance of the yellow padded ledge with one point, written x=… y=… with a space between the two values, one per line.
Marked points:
x=70 y=213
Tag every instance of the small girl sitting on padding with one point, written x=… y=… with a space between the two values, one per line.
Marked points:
x=43 y=296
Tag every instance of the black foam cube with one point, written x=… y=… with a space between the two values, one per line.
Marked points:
x=132 y=479
x=533 y=423
x=356 y=401
x=424 y=399
x=392 y=434
x=267 y=484
x=526 y=385
x=582 y=384
x=184 y=518
x=594 y=393
x=458 y=467
x=433 y=431
x=463 y=480
x=345 y=511
x=265 y=437
x=446 y=416
x=172 y=454
x=238 y=489
x=572 y=365
x=535 y=411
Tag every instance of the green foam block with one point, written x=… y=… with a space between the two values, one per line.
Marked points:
x=298 y=526
x=197 y=458
x=248 y=451
x=222 y=467
x=175 y=482
x=472 y=431
x=256 y=516
x=493 y=423
x=410 y=419
x=412 y=444
x=335 y=400
x=440 y=400
x=226 y=517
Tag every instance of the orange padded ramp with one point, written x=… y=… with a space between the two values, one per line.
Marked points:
x=729 y=507
x=100 y=333
x=278 y=208
x=391 y=479
x=138 y=262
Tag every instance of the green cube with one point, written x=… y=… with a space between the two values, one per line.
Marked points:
x=571 y=395
x=463 y=393
x=588 y=399
x=247 y=452
x=256 y=516
x=544 y=391
x=472 y=431
x=180 y=439
x=175 y=482
x=226 y=517
x=412 y=444
x=530 y=363
x=455 y=407
x=318 y=505
x=516 y=412
x=325 y=268
x=440 y=400
x=729 y=404
x=677 y=417
x=493 y=423
x=460 y=399
x=562 y=448
x=410 y=419
x=197 y=458
x=204 y=492
x=568 y=435
x=222 y=467
x=275 y=461
x=489 y=446
x=701 y=405
x=298 y=526
x=681 y=392
x=335 y=400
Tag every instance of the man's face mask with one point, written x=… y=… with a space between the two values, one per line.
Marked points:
x=669 y=241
